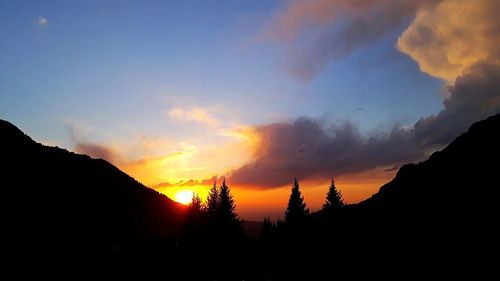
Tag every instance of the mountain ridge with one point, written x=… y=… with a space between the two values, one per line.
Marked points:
x=73 y=205
x=91 y=217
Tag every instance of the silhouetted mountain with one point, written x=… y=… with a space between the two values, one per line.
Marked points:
x=453 y=187
x=437 y=218
x=65 y=212
x=438 y=214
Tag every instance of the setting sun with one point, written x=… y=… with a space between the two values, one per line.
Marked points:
x=184 y=196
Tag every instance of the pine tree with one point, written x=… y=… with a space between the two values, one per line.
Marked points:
x=267 y=230
x=296 y=213
x=333 y=199
x=195 y=208
x=213 y=201
x=226 y=210
x=195 y=218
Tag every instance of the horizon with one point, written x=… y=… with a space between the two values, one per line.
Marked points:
x=178 y=94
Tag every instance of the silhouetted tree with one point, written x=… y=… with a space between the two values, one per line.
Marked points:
x=296 y=213
x=267 y=230
x=333 y=199
x=194 y=223
x=226 y=214
x=213 y=201
x=195 y=208
x=267 y=224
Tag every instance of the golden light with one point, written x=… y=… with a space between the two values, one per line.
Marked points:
x=184 y=196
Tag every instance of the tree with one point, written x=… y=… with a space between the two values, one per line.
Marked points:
x=195 y=208
x=333 y=199
x=267 y=224
x=194 y=223
x=267 y=230
x=213 y=201
x=296 y=213
x=226 y=214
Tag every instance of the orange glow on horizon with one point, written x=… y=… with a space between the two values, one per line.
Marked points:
x=186 y=168
x=255 y=203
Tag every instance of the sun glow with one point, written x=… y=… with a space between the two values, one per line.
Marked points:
x=184 y=196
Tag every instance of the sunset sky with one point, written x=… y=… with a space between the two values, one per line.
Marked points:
x=179 y=93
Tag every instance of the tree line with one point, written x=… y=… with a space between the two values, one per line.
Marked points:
x=218 y=215
x=215 y=229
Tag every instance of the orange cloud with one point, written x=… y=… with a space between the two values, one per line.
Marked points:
x=446 y=38
x=195 y=114
x=156 y=160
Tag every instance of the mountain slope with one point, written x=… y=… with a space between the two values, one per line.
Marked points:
x=85 y=212
x=439 y=215
x=460 y=178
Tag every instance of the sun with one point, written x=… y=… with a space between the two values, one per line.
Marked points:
x=184 y=196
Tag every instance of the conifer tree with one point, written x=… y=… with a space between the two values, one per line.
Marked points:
x=195 y=208
x=226 y=208
x=296 y=212
x=213 y=201
x=333 y=199
x=194 y=223
x=267 y=230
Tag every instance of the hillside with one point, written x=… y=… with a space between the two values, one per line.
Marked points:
x=452 y=184
x=65 y=213
x=65 y=210
x=438 y=214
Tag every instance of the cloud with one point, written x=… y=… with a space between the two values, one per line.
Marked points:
x=443 y=37
x=190 y=183
x=308 y=148
x=474 y=96
x=446 y=38
x=456 y=40
x=194 y=114
x=42 y=21
x=180 y=162
x=321 y=30
x=97 y=151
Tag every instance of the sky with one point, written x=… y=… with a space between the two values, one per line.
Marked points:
x=181 y=93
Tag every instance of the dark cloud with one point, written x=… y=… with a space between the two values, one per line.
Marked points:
x=97 y=151
x=335 y=28
x=474 y=96
x=308 y=148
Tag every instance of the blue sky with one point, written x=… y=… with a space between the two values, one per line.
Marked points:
x=118 y=66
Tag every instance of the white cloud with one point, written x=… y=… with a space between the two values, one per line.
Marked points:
x=42 y=21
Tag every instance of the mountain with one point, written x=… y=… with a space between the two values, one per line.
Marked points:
x=440 y=214
x=435 y=219
x=70 y=215
x=66 y=212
